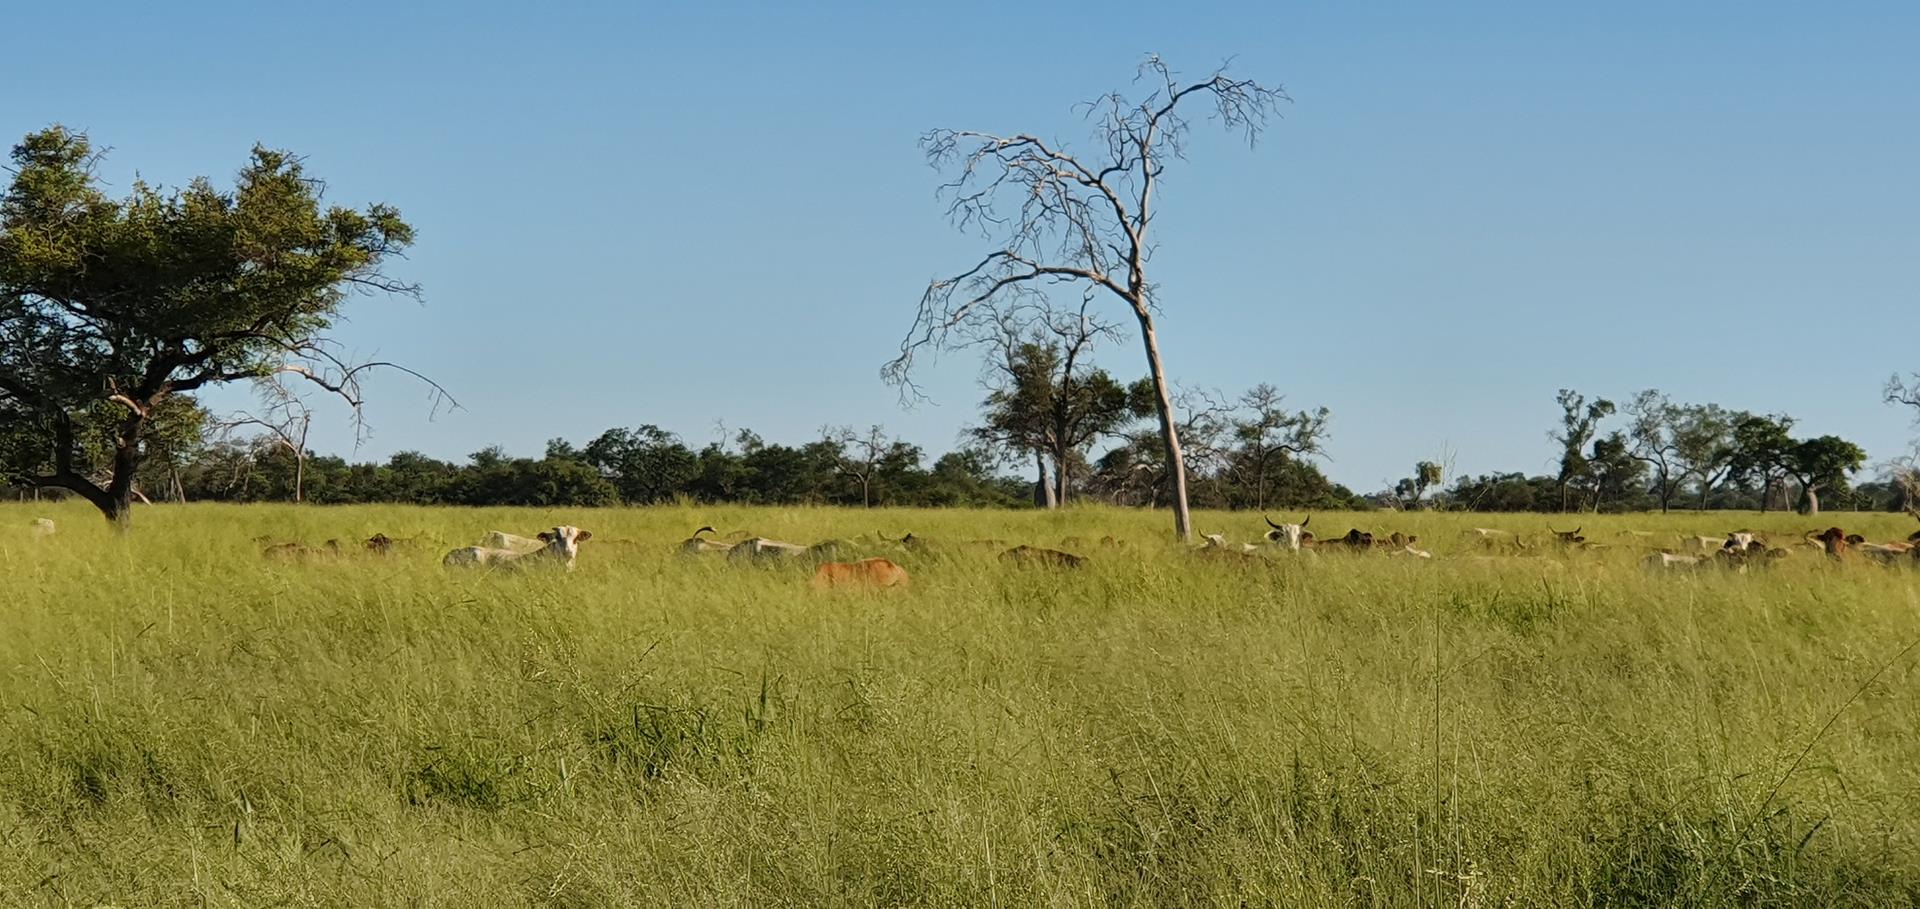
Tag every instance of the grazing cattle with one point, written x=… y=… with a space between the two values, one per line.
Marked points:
x=1046 y=558
x=1409 y=551
x=1220 y=542
x=1113 y=542
x=1667 y=561
x=866 y=573
x=379 y=544
x=756 y=549
x=1567 y=537
x=695 y=545
x=1287 y=536
x=1487 y=534
x=301 y=550
x=1704 y=543
x=499 y=539
x=828 y=550
x=1741 y=539
x=558 y=546
x=1356 y=540
x=42 y=527
x=922 y=544
x=1836 y=543
x=1888 y=553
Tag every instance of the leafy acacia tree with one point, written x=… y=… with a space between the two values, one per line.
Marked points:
x=1654 y=441
x=1410 y=490
x=1703 y=445
x=1578 y=422
x=1762 y=446
x=1267 y=430
x=124 y=304
x=1821 y=463
x=1613 y=470
x=646 y=464
x=1047 y=401
x=1059 y=216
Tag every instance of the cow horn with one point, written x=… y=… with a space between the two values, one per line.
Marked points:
x=1309 y=520
x=1576 y=531
x=1270 y=522
x=705 y=530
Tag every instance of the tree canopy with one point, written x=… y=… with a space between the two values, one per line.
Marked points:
x=110 y=308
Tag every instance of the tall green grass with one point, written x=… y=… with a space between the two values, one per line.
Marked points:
x=183 y=722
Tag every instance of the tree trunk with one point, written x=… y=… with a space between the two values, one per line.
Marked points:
x=299 y=478
x=1810 y=499
x=1169 y=433
x=1042 y=490
x=1060 y=478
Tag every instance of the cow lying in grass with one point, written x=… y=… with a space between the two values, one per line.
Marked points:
x=866 y=573
x=559 y=547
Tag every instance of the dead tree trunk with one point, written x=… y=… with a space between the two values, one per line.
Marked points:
x=1169 y=433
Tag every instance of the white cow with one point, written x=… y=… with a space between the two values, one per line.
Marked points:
x=1704 y=544
x=758 y=548
x=1667 y=561
x=558 y=546
x=43 y=527
x=500 y=539
x=1287 y=536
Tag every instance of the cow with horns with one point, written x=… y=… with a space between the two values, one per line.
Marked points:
x=1287 y=536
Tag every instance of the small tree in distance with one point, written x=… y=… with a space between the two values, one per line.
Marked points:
x=1061 y=217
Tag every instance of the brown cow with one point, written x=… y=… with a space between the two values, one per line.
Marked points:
x=866 y=573
x=1836 y=542
x=1046 y=558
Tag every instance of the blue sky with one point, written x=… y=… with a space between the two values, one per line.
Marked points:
x=689 y=214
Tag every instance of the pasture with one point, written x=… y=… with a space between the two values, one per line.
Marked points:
x=185 y=722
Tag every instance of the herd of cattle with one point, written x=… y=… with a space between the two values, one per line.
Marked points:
x=560 y=547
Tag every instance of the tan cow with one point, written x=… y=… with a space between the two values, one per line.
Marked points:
x=866 y=573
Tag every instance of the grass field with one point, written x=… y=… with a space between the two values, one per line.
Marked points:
x=183 y=722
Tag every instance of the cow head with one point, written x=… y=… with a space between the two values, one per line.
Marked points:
x=1288 y=535
x=1567 y=537
x=563 y=542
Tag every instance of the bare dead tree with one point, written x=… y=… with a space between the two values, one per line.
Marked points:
x=1904 y=391
x=858 y=456
x=1057 y=216
x=287 y=419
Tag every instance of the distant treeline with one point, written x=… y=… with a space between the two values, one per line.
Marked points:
x=649 y=465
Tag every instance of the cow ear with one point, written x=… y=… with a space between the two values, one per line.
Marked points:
x=545 y=536
x=584 y=536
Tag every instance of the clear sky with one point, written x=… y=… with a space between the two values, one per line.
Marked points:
x=695 y=213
